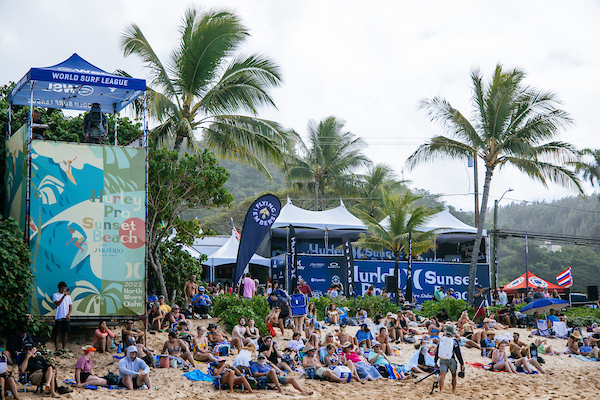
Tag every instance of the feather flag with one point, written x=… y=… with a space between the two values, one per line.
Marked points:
x=565 y=278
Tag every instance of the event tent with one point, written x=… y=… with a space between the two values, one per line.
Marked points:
x=534 y=282
x=75 y=84
x=444 y=222
x=336 y=221
x=227 y=254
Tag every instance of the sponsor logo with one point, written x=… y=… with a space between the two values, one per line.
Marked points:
x=264 y=213
x=333 y=265
x=85 y=90
x=316 y=265
x=317 y=280
x=335 y=279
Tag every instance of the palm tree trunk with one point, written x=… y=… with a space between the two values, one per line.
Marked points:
x=178 y=143
x=316 y=195
x=489 y=171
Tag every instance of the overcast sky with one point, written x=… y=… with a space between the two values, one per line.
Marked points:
x=366 y=62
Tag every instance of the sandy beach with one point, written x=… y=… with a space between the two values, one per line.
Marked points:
x=571 y=379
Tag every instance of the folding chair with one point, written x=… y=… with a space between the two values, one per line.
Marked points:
x=542 y=327
x=24 y=376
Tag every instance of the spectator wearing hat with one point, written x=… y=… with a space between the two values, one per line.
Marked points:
x=84 y=369
x=201 y=303
x=352 y=360
x=270 y=350
x=16 y=343
x=162 y=306
x=231 y=375
x=450 y=365
x=40 y=371
x=263 y=368
x=103 y=338
x=154 y=317
x=133 y=371
x=488 y=344
x=64 y=307
x=310 y=361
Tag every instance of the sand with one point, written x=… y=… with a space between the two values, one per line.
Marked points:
x=572 y=378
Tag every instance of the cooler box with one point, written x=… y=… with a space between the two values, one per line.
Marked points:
x=298 y=305
x=342 y=371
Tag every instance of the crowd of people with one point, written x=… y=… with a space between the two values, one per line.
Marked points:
x=319 y=349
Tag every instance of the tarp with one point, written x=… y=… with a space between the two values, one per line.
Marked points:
x=338 y=218
x=534 y=282
x=445 y=223
x=227 y=254
x=75 y=84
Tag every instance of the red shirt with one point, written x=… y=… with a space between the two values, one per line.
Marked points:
x=305 y=289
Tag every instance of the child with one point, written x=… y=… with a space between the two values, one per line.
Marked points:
x=288 y=358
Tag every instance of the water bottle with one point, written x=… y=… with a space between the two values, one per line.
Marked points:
x=119 y=348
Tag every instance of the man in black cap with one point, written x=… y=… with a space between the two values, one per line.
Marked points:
x=478 y=299
x=449 y=363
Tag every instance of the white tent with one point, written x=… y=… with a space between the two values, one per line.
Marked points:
x=227 y=254
x=445 y=222
x=338 y=218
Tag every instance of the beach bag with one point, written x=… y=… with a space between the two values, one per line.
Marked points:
x=271 y=330
x=112 y=379
x=445 y=348
x=298 y=305
x=164 y=362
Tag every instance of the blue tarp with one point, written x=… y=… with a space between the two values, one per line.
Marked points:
x=75 y=84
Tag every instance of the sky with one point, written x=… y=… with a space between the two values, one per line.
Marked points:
x=368 y=63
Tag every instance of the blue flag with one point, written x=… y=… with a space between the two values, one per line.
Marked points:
x=259 y=219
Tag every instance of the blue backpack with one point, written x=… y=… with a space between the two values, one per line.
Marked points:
x=298 y=305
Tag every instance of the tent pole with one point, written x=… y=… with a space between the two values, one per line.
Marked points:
x=116 y=123
x=9 y=120
x=145 y=143
x=28 y=194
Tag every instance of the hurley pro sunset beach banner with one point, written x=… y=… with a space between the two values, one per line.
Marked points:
x=87 y=227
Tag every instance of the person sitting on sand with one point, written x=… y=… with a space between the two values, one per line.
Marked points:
x=200 y=346
x=587 y=349
x=488 y=344
x=314 y=340
x=130 y=330
x=133 y=371
x=329 y=339
x=364 y=337
x=479 y=335
x=331 y=358
x=103 y=338
x=361 y=316
x=230 y=375
x=84 y=369
x=384 y=339
x=244 y=357
x=311 y=324
x=518 y=348
x=7 y=382
x=501 y=362
x=333 y=314
x=296 y=344
x=214 y=336
x=434 y=327
x=343 y=336
x=421 y=361
x=394 y=328
x=238 y=334
x=252 y=332
x=175 y=316
x=573 y=343
x=145 y=354
x=154 y=317
x=544 y=348
x=378 y=358
x=270 y=350
x=464 y=320
x=263 y=368
x=352 y=360
x=310 y=361
x=178 y=349
x=40 y=371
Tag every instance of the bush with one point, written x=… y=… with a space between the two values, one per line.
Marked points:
x=583 y=316
x=454 y=308
x=373 y=305
x=230 y=308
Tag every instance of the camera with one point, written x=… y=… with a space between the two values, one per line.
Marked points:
x=461 y=374
x=486 y=289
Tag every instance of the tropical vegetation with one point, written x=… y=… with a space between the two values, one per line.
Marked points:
x=203 y=86
x=514 y=124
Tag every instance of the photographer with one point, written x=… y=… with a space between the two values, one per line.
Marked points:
x=64 y=307
x=450 y=364
x=478 y=299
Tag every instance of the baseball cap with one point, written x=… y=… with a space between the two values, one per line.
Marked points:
x=308 y=347
x=261 y=355
x=201 y=288
x=88 y=348
x=375 y=343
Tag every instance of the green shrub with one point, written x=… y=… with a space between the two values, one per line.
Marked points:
x=454 y=307
x=583 y=316
x=373 y=305
x=230 y=308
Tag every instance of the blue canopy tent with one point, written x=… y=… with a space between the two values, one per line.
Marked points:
x=74 y=84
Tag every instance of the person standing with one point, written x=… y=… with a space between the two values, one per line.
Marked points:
x=478 y=300
x=249 y=286
x=95 y=125
x=64 y=307
x=502 y=296
x=189 y=290
x=450 y=364
x=304 y=288
x=438 y=294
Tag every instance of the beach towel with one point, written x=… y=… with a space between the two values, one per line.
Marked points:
x=582 y=358
x=395 y=371
x=414 y=361
x=197 y=375
x=488 y=367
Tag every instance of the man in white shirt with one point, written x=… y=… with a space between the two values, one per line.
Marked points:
x=502 y=296
x=64 y=306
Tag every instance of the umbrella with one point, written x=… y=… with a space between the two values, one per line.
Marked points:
x=544 y=305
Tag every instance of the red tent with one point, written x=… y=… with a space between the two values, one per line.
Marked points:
x=534 y=282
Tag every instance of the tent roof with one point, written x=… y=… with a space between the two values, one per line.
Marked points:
x=338 y=218
x=444 y=222
x=534 y=282
x=227 y=254
x=75 y=84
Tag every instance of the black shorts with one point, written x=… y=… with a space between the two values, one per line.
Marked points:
x=283 y=316
x=83 y=376
x=135 y=384
x=62 y=325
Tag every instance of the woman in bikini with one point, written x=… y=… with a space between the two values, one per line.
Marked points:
x=178 y=349
x=384 y=339
x=312 y=325
x=200 y=343
x=332 y=357
x=344 y=337
x=252 y=332
x=332 y=313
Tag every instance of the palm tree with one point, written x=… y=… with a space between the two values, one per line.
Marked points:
x=205 y=83
x=513 y=125
x=379 y=178
x=330 y=159
x=390 y=227
x=590 y=169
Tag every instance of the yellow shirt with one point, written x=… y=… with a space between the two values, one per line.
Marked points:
x=165 y=308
